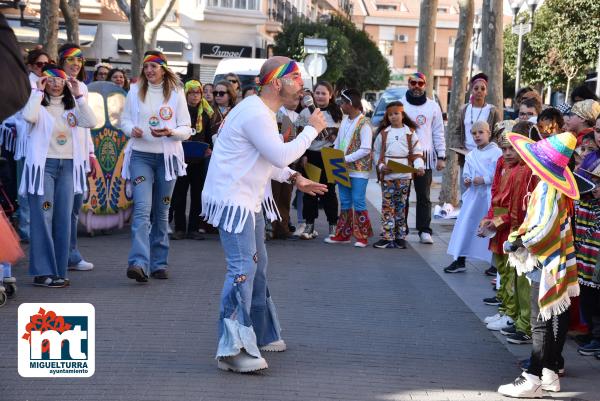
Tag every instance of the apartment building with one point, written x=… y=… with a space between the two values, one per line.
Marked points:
x=394 y=26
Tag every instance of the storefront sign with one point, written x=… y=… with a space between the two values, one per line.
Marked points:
x=214 y=50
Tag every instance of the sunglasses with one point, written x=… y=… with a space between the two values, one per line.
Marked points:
x=345 y=97
x=40 y=64
x=420 y=84
x=232 y=81
x=219 y=93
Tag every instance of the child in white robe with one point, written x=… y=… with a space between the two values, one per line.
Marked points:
x=478 y=174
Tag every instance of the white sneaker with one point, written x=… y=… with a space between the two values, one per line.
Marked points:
x=499 y=324
x=425 y=238
x=491 y=319
x=82 y=266
x=242 y=363
x=275 y=346
x=299 y=229
x=332 y=230
x=524 y=386
x=550 y=380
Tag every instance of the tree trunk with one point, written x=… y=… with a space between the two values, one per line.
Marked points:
x=155 y=23
x=49 y=27
x=450 y=191
x=137 y=22
x=70 y=11
x=426 y=50
x=492 y=54
x=568 y=91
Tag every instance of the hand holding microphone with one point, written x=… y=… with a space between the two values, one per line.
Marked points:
x=316 y=120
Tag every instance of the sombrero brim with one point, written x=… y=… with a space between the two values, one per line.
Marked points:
x=564 y=183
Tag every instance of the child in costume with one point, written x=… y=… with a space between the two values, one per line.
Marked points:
x=543 y=248
x=397 y=141
x=587 y=245
x=480 y=165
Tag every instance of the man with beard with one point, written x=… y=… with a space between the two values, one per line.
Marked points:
x=247 y=155
x=428 y=116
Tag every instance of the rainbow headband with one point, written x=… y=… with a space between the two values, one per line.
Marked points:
x=418 y=75
x=152 y=58
x=279 y=72
x=71 y=52
x=55 y=72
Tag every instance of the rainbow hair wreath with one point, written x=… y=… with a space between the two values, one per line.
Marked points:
x=153 y=58
x=279 y=72
x=54 y=72
x=71 y=52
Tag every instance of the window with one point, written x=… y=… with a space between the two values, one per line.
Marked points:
x=443 y=9
x=386 y=7
x=235 y=4
x=386 y=47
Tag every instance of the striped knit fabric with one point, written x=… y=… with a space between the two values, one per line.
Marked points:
x=587 y=239
x=547 y=235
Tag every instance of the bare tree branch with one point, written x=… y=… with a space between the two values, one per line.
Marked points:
x=158 y=20
x=49 y=26
x=124 y=6
x=70 y=11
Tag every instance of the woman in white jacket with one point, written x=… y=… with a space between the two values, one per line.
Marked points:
x=156 y=118
x=54 y=170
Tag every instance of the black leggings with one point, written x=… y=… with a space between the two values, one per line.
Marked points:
x=310 y=209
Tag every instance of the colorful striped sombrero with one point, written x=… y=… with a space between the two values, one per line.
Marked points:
x=548 y=159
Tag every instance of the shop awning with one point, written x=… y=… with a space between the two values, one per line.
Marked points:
x=27 y=34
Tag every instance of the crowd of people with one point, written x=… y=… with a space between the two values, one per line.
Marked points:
x=238 y=154
x=526 y=213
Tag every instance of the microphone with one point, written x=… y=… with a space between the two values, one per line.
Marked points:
x=310 y=105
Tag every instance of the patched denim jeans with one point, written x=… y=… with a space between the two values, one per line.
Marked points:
x=50 y=224
x=248 y=318
x=151 y=197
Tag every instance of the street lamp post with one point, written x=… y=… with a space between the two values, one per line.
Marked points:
x=521 y=29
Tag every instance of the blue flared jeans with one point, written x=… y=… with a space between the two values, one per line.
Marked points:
x=151 y=201
x=248 y=318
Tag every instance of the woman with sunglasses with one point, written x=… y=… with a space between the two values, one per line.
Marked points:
x=197 y=166
x=234 y=80
x=225 y=99
x=37 y=59
x=55 y=167
x=119 y=78
x=70 y=59
x=156 y=119
x=324 y=100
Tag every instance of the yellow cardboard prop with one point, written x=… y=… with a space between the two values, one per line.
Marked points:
x=312 y=172
x=335 y=166
x=400 y=168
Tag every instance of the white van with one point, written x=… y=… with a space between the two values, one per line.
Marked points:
x=248 y=68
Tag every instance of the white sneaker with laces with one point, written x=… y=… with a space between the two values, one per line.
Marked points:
x=242 y=363
x=499 y=324
x=425 y=238
x=491 y=319
x=299 y=229
x=82 y=266
x=524 y=386
x=275 y=346
x=550 y=380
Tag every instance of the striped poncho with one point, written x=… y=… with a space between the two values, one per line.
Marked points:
x=546 y=234
x=587 y=239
